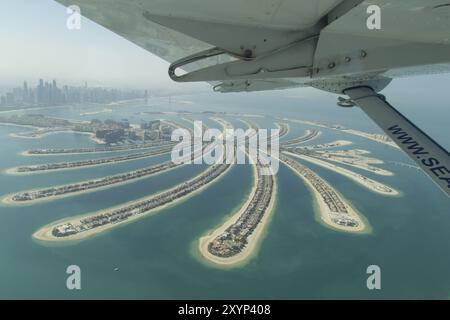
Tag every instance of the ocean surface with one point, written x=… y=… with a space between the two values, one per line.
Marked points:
x=157 y=257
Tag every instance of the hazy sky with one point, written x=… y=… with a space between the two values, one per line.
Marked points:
x=35 y=43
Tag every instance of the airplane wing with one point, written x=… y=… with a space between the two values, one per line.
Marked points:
x=142 y=22
x=284 y=43
x=351 y=47
x=174 y=29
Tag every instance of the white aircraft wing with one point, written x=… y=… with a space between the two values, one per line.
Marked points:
x=284 y=43
x=414 y=38
x=351 y=47
x=174 y=29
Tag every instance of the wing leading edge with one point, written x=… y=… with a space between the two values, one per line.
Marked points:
x=257 y=45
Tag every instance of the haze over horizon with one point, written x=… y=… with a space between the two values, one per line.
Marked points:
x=36 y=43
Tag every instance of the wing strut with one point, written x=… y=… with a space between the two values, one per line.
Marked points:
x=432 y=158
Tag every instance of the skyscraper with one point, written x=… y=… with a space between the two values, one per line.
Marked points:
x=146 y=96
x=40 y=92
x=25 y=93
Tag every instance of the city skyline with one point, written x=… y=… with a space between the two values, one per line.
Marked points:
x=91 y=54
x=104 y=59
x=47 y=93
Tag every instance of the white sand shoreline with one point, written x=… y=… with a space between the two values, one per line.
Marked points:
x=13 y=171
x=366 y=135
x=45 y=233
x=279 y=126
x=298 y=141
x=254 y=240
x=7 y=200
x=367 y=183
x=366 y=166
x=39 y=134
x=27 y=153
x=322 y=210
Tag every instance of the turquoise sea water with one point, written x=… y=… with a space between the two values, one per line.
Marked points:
x=157 y=256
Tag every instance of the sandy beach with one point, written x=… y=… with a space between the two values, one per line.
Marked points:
x=93 y=138
x=13 y=171
x=371 y=136
x=288 y=128
x=302 y=139
x=7 y=200
x=368 y=183
x=28 y=154
x=322 y=210
x=329 y=145
x=19 y=125
x=363 y=164
x=37 y=129
x=254 y=240
x=44 y=134
x=45 y=233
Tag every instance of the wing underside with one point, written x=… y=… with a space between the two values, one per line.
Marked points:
x=351 y=47
x=321 y=43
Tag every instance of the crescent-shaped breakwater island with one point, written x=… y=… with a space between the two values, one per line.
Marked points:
x=40 y=133
x=116 y=135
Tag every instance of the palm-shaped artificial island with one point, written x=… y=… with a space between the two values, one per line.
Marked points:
x=235 y=241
